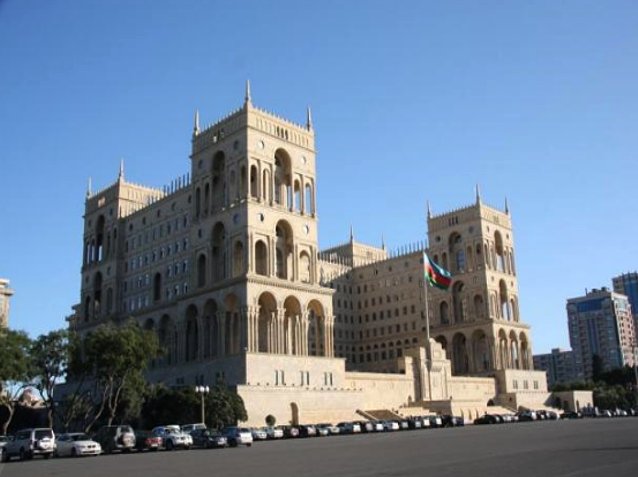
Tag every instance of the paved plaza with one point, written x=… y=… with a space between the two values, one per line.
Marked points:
x=602 y=447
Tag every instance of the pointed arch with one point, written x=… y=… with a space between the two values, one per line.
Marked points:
x=266 y=323
x=238 y=258
x=284 y=247
x=316 y=329
x=218 y=246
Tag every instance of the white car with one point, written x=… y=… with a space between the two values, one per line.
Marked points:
x=175 y=428
x=390 y=425
x=76 y=444
x=173 y=438
x=274 y=433
x=237 y=436
x=259 y=434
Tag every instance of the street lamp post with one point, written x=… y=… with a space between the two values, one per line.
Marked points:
x=202 y=391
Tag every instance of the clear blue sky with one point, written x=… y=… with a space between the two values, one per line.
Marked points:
x=536 y=101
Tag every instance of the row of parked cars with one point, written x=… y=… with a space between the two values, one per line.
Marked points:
x=543 y=415
x=29 y=443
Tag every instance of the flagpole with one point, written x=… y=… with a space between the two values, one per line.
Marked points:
x=428 y=349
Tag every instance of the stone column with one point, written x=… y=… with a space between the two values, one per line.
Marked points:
x=220 y=316
x=492 y=353
x=280 y=331
x=244 y=328
x=304 y=333
x=328 y=345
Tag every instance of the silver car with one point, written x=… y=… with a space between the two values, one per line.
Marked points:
x=237 y=436
x=29 y=443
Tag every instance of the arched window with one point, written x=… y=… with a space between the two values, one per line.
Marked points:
x=198 y=202
x=444 y=313
x=283 y=190
x=266 y=189
x=499 y=252
x=297 y=197
x=254 y=182
x=238 y=258
x=304 y=267
x=219 y=252
x=109 y=300
x=457 y=254
x=157 y=287
x=97 y=294
x=99 y=234
x=219 y=180
x=504 y=301
x=87 y=308
x=261 y=258
x=206 y=198
x=479 y=307
x=242 y=183
x=201 y=270
x=458 y=302
x=284 y=249
x=309 y=206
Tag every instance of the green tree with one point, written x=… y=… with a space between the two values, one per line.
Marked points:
x=49 y=358
x=15 y=370
x=115 y=358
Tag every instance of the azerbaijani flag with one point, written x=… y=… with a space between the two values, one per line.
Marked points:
x=436 y=275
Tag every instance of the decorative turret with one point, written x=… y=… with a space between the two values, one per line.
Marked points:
x=196 y=123
x=248 y=100
x=308 y=119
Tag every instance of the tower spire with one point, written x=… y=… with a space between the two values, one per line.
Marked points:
x=89 y=192
x=120 y=176
x=248 y=100
x=507 y=208
x=382 y=242
x=429 y=211
x=308 y=119
x=196 y=123
x=478 y=194
x=351 y=234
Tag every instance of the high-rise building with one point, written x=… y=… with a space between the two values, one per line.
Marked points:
x=601 y=325
x=559 y=365
x=627 y=284
x=224 y=266
x=5 y=294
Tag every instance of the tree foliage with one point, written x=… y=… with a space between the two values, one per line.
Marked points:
x=15 y=370
x=223 y=407
x=114 y=358
x=49 y=359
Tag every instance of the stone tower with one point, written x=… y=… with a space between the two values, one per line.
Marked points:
x=477 y=320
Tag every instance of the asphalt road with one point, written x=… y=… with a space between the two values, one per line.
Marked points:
x=589 y=447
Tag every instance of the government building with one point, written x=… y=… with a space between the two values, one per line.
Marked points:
x=224 y=265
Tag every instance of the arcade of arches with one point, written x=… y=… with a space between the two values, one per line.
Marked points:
x=479 y=352
x=218 y=330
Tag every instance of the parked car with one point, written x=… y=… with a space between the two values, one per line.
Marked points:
x=390 y=426
x=307 y=431
x=28 y=443
x=274 y=433
x=290 y=431
x=404 y=425
x=3 y=442
x=415 y=423
x=259 y=434
x=435 y=421
x=332 y=429
x=208 y=439
x=188 y=428
x=527 y=416
x=349 y=427
x=486 y=419
x=176 y=428
x=113 y=438
x=173 y=437
x=76 y=444
x=378 y=426
x=322 y=431
x=571 y=415
x=238 y=436
x=366 y=426
x=145 y=440
x=452 y=421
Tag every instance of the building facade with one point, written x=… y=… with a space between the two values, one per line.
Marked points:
x=5 y=294
x=601 y=324
x=559 y=365
x=627 y=284
x=224 y=266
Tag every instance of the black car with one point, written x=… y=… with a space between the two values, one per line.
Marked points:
x=452 y=421
x=486 y=419
x=208 y=439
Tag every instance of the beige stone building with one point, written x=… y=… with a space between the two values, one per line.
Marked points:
x=5 y=294
x=224 y=266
